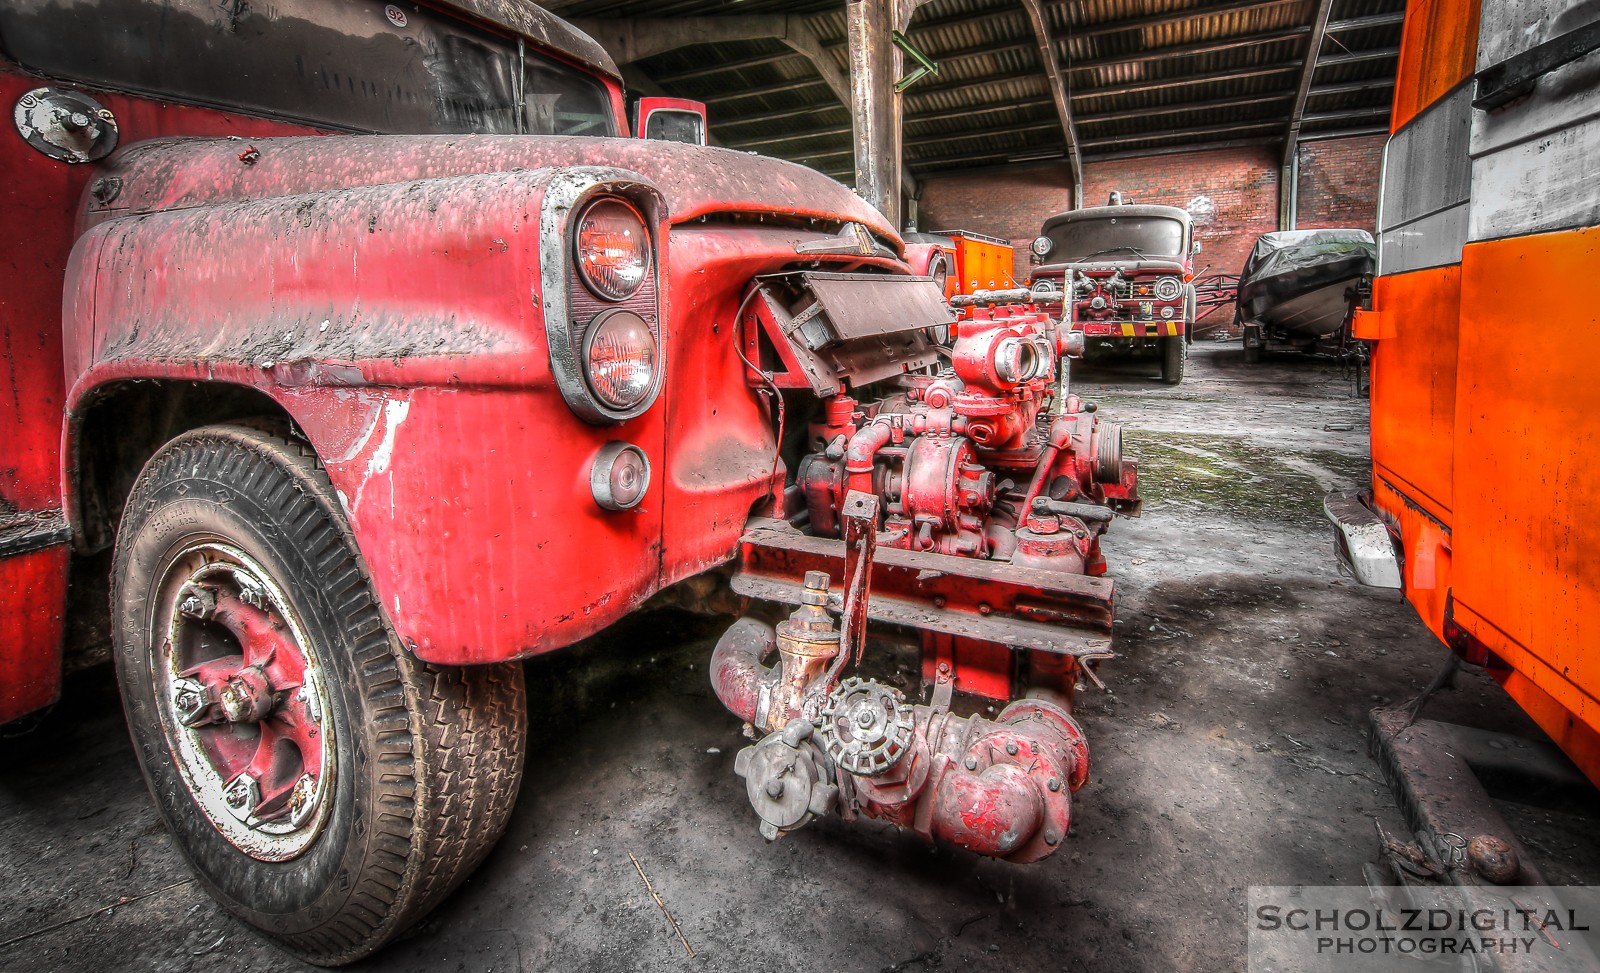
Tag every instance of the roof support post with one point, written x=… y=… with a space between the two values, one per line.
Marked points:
x=633 y=39
x=874 y=105
x=1289 y=173
x=1058 y=93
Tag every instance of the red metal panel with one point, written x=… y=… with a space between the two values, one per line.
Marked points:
x=721 y=455
x=33 y=593
x=38 y=201
x=394 y=323
x=696 y=180
x=411 y=356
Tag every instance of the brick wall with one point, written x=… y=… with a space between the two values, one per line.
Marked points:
x=1011 y=204
x=1339 y=183
x=1231 y=194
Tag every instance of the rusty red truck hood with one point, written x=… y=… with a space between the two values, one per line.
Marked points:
x=697 y=181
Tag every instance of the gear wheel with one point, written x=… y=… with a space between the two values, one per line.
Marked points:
x=866 y=727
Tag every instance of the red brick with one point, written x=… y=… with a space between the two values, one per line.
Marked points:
x=1339 y=183
x=1231 y=193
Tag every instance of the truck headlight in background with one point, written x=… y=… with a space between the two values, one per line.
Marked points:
x=619 y=359
x=1168 y=289
x=1041 y=245
x=613 y=248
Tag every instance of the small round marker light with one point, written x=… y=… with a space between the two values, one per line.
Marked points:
x=620 y=476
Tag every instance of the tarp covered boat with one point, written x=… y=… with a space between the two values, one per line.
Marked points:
x=1299 y=283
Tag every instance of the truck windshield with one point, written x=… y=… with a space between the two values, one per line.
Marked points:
x=1113 y=238
x=357 y=65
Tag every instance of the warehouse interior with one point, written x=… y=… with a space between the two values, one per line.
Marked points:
x=1238 y=99
x=1254 y=699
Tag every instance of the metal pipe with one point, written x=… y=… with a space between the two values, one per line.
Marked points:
x=1091 y=512
x=862 y=451
x=875 y=106
x=737 y=674
x=1010 y=802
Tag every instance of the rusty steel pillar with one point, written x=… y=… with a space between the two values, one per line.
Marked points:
x=874 y=105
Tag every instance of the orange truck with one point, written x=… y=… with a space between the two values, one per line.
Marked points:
x=1485 y=408
x=962 y=261
x=983 y=263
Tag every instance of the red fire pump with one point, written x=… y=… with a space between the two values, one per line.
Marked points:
x=966 y=501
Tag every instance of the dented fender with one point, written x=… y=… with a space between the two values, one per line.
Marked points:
x=403 y=328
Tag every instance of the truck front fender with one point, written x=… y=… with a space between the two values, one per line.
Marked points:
x=404 y=329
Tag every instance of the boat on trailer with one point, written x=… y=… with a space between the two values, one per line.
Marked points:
x=1298 y=286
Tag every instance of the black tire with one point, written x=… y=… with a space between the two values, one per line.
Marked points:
x=1174 y=358
x=426 y=759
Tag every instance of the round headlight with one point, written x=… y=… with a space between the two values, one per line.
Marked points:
x=1168 y=288
x=613 y=248
x=1041 y=245
x=619 y=359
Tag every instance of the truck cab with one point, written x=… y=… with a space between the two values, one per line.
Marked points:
x=356 y=354
x=1124 y=271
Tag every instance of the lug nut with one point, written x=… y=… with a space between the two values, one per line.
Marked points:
x=1053 y=784
x=302 y=800
x=972 y=763
x=1011 y=747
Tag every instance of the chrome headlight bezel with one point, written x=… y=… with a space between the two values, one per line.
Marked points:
x=570 y=307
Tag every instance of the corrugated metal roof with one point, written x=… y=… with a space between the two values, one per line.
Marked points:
x=1143 y=75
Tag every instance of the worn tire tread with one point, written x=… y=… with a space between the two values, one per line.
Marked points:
x=449 y=740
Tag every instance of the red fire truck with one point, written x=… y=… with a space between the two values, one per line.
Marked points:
x=338 y=333
x=1124 y=272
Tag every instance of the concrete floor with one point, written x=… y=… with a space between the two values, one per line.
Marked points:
x=1229 y=751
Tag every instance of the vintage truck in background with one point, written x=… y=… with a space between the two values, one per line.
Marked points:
x=1125 y=272
x=337 y=334
x=1485 y=409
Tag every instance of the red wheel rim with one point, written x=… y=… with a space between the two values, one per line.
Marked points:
x=243 y=700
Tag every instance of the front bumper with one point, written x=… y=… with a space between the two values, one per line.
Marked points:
x=1132 y=329
x=1363 y=542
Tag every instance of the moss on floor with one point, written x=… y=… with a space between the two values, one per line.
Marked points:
x=1236 y=476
